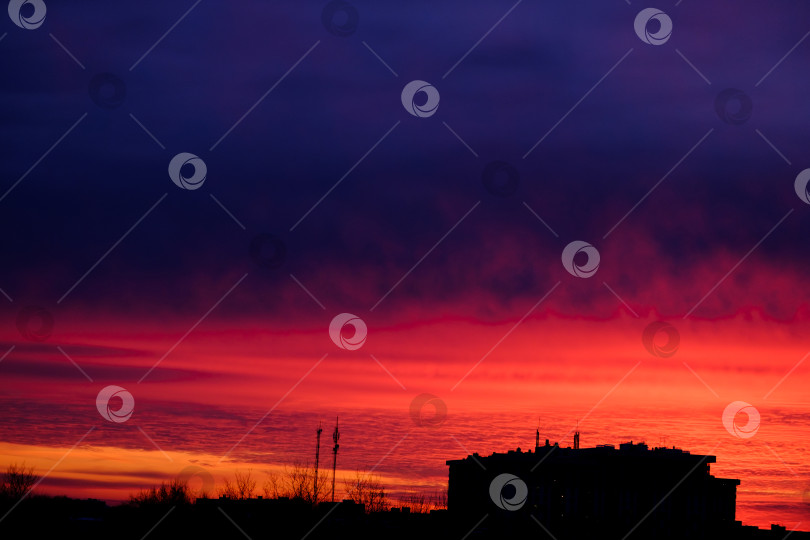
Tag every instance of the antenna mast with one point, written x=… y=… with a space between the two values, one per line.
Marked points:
x=317 y=458
x=537 y=436
x=335 y=437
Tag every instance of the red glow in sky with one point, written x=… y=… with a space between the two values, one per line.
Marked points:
x=499 y=381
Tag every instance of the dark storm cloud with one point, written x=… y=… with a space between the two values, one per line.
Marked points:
x=31 y=364
x=33 y=351
x=333 y=107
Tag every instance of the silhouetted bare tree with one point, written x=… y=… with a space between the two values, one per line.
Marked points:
x=297 y=482
x=243 y=486
x=367 y=489
x=419 y=503
x=18 y=480
x=273 y=487
x=440 y=499
x=423 y=503
x=174 y=492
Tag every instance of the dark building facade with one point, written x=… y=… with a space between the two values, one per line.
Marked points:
x=603 y=491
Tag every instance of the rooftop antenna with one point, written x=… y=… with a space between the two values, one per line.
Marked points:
x=537 y=435
x=335 y=437
x=576 y=438
x=317 y=458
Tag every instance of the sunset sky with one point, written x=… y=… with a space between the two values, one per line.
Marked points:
x=179 y=297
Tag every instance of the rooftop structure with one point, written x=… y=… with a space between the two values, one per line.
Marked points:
x=604 y=490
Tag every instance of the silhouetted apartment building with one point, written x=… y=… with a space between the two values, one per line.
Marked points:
x=603 y=491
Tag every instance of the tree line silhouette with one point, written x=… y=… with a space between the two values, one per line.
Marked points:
x=288 y=504
x=17 y=482
x=295 y=482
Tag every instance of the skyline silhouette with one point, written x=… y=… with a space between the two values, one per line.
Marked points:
x=603 y=491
